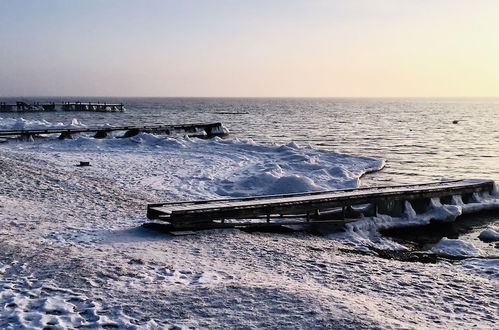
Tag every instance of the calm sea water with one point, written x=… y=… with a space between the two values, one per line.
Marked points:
x=417 y=137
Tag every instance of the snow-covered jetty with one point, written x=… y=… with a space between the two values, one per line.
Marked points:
x=336 y=206
x=192 y=130
x=21 y=106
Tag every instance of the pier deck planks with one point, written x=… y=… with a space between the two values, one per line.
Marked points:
x=213 y=213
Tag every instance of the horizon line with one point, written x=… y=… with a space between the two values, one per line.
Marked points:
x=257 y=97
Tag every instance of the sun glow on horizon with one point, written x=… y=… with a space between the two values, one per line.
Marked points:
x=235 y=48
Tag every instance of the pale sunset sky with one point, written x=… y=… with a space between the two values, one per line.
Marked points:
x=259 y=48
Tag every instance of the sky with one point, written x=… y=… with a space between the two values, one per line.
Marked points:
x=250 y=48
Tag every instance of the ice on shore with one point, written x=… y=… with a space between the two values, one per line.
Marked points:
x=21 y=124
x=490 y=234
x=186 y=168
x=455 y=248
x=366 y=231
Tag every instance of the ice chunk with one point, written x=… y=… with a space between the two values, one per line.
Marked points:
x=490 y=234
x=455 y=248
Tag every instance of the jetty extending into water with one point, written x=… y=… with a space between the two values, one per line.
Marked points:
x=21 y=106
x=336 y=206
x=191 y=130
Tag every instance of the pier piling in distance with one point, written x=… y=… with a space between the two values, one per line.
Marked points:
x=21 y=106
x=202 y=131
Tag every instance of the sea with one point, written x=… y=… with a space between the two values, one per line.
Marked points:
x=421 y=139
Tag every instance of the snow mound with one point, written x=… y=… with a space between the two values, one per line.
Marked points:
x=455 y=248
x=268 y=183
x=291 y=169
x=490 y=234
x=185 y=168
x=22 y=124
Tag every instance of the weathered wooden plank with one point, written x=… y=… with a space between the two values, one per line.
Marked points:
x=263 y=224
x=367 y=189
x=327 y=199
x=307 y=205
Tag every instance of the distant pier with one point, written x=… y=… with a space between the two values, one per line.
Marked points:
x=21 y=106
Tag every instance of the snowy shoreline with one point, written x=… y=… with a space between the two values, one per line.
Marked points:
x=74 y=254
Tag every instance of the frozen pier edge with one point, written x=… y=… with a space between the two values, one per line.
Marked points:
x=336 y=206
x=192 y=130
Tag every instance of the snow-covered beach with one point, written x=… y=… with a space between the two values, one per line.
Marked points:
x=74 y=253
x=249 y=164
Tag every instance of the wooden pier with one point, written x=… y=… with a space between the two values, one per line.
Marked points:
x=191 y=130
x=336 y=206
x=21 y=106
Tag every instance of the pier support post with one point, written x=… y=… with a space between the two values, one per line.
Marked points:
x=27 y=137
x=66 y=135
x=101 y=135
x=420 y=205
x=131 y=132
x=469 y=198
x=394 y=208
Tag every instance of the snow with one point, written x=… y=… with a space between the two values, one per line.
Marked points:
x=220 y=130
x=29 y=303
x=490 y=234
x=455 y=248
x=486 y=267
x=191 y=168
x=21 y=123
x=73 y=252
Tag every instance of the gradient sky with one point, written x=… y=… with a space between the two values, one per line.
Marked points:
x=364 y=48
